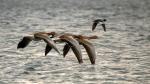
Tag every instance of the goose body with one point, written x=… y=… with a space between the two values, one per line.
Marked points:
x=36 y=37
x=70 y=43
x=74 y=46
x=95 y=22
x=89 y=49
x=83 y=40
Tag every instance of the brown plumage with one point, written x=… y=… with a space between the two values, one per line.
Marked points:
x=36 y=37
x=95 y=22
x=70 y=43
x=89 y=49
x=83 y=40
x=74 y=46
x=85 y=37
x=49 y=41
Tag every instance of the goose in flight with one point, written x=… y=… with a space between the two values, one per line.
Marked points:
x=84 y=41
x=39 y=36
x=73 y=43
x=95 y=22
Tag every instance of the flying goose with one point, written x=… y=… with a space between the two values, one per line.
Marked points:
x=95 y=22
x=83 y=40
x=72 y=43
x=39 y=36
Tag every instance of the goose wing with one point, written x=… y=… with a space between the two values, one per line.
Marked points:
x=74 y=46
x=104 y=27
x=94 y=25
x=49 y=41
x=95 y=22
x=47 y=49
x=89 y=49
x=66 y=49
x=24 y=42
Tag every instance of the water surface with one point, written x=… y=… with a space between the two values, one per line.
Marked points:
x=123 y=52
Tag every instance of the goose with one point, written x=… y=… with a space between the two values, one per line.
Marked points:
x=84 y=41
x=95 y=22
x=70 y=41
x=37 y=37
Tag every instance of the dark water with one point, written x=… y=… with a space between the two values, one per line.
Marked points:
x=123 y=52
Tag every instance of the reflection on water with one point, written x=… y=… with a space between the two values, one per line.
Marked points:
x=122 y=51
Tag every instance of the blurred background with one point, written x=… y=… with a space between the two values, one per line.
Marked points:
x=123 y=51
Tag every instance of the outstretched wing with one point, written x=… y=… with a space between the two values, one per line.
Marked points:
x=89 y=49
x=66 y=49
x=95 y=22
x=104 y=27
x=47 y=49
x=49 y=41
x=94 y=25
x=24 y=42
x=74 y=46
